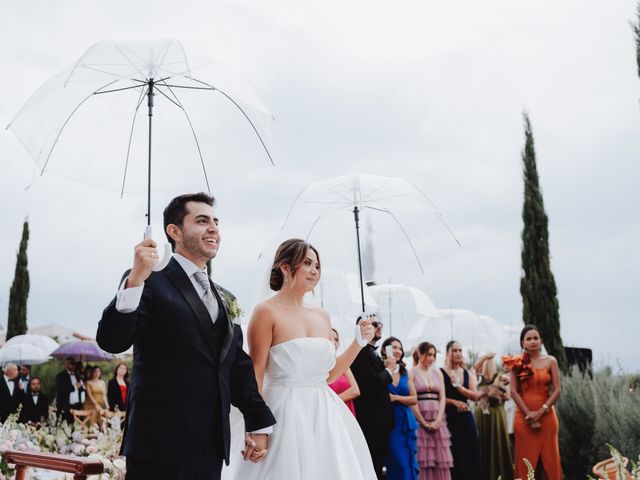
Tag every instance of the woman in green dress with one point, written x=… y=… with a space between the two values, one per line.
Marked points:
x=491 y=419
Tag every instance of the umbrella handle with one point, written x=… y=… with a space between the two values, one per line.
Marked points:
x=160 y=264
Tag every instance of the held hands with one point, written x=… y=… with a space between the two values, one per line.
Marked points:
x=144 y=258
x=255 y=446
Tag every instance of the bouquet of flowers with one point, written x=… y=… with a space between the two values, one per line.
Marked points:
x=518 y=365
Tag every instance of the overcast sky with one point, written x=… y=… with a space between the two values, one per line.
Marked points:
x=428 y=91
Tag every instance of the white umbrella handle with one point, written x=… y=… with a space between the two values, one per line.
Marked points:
x=160 y=264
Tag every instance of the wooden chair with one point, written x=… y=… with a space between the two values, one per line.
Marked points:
x=83 y=417
x=79 y=467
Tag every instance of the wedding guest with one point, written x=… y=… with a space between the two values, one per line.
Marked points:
x=35 y=404
x=460 y=387
x=434 y=440
x=373 y=406
x=491 y=420
x=25 y=377
x=401 y=462
x=96 y=395
x=117 y=388
x=535 y=387
x=345 y=385
x=10 y=394
x=68 y=386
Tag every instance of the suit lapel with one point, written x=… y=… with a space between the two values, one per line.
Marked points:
x=224 y=317
x=179 y=278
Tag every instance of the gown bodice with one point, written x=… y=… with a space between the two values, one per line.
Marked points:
x=302 y=361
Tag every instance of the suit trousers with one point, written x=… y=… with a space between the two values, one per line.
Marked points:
x=209 y=467
x=378 y=443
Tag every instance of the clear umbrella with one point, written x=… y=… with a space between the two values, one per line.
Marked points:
x=81 y=124
x=401 y=307
x=22 y=354
x=324 y=212
x=46 y=344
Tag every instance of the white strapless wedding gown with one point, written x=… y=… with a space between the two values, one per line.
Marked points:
x=316 y=437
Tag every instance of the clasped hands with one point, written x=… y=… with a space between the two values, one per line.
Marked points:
x=255 y=446
x=533 y=418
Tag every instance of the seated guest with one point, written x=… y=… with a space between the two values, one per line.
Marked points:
x=345 y=385
x=10 y=394
x=35 y=405
x=117 y=388
x=96 y=395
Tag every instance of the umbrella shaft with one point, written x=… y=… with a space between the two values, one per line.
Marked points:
x=356 y=219
x=150 y=95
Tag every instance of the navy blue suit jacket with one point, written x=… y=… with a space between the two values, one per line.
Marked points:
x=175 y=349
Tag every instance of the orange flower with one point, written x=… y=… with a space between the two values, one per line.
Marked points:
x=519 y=365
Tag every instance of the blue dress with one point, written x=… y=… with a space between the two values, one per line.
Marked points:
x=402 y=460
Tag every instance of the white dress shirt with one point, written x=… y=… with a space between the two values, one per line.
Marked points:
x=10 y=384
x=74 y=397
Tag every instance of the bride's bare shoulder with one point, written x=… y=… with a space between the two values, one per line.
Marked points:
x=318 y=312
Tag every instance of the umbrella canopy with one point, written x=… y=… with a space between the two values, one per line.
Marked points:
x=327 y=213
x=81 y=124
x=400 y=307
x=338 y=292
x=22 y=354
x=477 y=334
x=83 y=350
x=46 y=344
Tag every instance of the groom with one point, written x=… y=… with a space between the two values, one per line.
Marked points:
x=179 y=326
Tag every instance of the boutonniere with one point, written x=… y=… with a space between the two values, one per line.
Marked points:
x=231 y=304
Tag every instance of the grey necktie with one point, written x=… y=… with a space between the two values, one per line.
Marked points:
x=209 y=299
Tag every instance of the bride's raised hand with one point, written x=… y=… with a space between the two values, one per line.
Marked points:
x=366 y=329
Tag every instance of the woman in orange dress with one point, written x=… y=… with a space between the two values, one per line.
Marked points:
x=535 y=387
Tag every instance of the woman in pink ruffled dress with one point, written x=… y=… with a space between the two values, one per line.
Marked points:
x=434 y=439
x=345 y=385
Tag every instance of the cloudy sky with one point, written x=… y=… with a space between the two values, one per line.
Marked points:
x=428 y=91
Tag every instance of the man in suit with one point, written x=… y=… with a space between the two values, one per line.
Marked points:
x=10 y=393
x=25 y=378
x=373 y=406
x=179 y=326
x=35 y=404
x=68 y=388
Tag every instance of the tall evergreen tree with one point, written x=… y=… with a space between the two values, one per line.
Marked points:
x=636 y=32
x=537 y=285
x=17 y=322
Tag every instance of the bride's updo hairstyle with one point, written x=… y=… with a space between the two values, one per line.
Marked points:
x=291 y=253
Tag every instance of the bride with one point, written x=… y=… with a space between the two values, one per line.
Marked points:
x=316 y=436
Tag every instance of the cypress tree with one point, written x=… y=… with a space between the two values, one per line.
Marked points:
x=636 y=36
x=537 y=285
x=17 y=322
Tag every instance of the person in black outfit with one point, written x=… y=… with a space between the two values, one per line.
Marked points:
x=10 y=393
x=171 y=432
x=35 y=404
x=373 y=406
x=116 y=386
x=68 y=390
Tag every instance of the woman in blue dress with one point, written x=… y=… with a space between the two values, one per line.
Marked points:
x=402 y=460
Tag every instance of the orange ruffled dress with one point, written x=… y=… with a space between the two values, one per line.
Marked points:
x=542 y=444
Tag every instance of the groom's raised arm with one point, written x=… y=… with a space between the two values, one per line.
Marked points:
x=126 y=314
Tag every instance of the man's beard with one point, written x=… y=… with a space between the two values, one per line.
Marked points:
x=193 y=246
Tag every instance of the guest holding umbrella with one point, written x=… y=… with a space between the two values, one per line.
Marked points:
x=460 y=387
x=118 y=387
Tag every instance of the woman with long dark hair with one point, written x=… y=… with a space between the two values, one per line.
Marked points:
x=535 y=387
x=402 y=461
x=434 y=439
x=118 y=387
x=460 y=387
